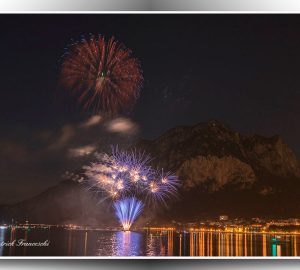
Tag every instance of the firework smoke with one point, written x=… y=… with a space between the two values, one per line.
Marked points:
x=127 y=178
x=102 y=75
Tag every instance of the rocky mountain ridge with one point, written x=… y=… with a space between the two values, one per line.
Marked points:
x=213 y=153
x=222 y=171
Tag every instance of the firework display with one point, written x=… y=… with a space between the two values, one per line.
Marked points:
x=127 y=178
x=102 y=74
x=127 y=210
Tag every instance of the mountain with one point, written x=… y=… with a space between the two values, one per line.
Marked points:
x=221 y=170
x=214 y=154
x=66 y=203
x=69 y=202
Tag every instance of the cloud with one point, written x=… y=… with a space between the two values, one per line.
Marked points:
x=38 y=158
x=66 y=133
x=122 y=126
x=72 y=176
x=92 y=121
x=78 y=140
x=82 y=151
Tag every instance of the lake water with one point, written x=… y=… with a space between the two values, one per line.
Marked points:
x=63 y=242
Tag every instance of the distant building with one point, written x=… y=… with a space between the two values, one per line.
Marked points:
x=223 y=218
x=257 y=220
x=191 y=224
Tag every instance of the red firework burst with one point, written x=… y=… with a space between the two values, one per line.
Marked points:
x=102 y=75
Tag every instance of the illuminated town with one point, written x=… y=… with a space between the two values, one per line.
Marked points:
x=221 y=224
x=219 y=237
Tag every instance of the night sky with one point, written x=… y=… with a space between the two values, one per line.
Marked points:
x=239 y=69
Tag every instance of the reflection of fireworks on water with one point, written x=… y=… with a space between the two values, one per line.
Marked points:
x=102 y=74
x=127 y=178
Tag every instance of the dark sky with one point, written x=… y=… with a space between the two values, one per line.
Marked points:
x=240 y=69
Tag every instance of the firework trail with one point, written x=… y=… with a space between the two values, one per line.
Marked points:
x=127 y=210
x=102 y=74
x=127 y=178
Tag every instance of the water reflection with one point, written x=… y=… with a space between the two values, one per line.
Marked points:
x=12 y=239
x=149 y=243
x=2 y=234
x=128 y=243
x=85 y=242
x=170 y=243
x=239 y=244
x=25 y=238
x=70 y=244
x=120 y=244
x=295 y=245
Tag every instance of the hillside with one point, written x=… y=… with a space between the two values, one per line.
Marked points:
x=222 y=171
